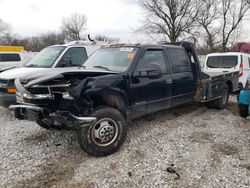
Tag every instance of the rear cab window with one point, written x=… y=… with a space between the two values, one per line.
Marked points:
x=7 y=57
x=180 y=60
x=222 y=61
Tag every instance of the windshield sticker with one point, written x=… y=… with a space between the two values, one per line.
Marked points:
x=131 y=56
x=126 y=49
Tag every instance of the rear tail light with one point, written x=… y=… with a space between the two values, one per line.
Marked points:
x=241 y=66
x=241 y=69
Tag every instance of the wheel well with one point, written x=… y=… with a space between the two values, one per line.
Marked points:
x=230 y=86
x=110 y=100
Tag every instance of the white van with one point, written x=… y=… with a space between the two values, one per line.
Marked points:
x=229 y=62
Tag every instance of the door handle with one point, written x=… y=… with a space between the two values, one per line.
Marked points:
x=169 y=81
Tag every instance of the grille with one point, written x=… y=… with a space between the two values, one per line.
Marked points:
x=3 y=81
x=3 y=90
x=57 y=89
x=38 y=90
x=41 y=103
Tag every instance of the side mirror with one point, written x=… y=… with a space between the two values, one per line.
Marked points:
x=65 y=62
x=153 y=71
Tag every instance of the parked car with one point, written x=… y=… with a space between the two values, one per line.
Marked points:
x=50 y=58
x=244 y=100
x=229 y=62
x=10 y=57
x=116 y=85
x=9 y=60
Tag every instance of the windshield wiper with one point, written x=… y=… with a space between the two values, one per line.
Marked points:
x=32 y=65
x=102 y=67
x=81 y=66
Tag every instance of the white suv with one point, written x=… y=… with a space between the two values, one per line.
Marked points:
x=52 y=58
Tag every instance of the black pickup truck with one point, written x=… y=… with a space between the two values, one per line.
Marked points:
x=116 y=85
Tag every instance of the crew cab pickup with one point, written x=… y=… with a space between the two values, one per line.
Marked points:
x=53 y=57
x=116 y=85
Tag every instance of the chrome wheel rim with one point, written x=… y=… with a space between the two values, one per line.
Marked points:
x=104 y=132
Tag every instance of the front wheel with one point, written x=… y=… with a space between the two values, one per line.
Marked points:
x=43 y=124
x=107 y=135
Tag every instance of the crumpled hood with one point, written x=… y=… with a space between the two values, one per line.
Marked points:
x=41 y=75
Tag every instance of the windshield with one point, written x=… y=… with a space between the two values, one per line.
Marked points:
x=46 y=57
x=222 y=61
x=114 y=59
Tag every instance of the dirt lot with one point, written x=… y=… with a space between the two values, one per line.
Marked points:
x=209 y=148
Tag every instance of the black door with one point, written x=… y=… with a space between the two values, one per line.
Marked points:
x=184 y=85
x=150 y=94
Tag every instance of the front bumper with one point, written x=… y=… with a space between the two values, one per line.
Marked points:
x=7 y=99
x=60 y=118
x=42 y=107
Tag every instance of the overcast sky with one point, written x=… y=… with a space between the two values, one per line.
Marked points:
x=115 y=18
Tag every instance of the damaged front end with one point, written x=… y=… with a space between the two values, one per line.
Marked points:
x=49 y=100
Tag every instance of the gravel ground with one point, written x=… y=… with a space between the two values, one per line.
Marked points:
x=208 y=148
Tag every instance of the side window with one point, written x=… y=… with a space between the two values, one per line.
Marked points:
x=180 y=61
x=77 y=56
x=10 y=57
x=213 y=61
x=249 y=62
x=150 y=57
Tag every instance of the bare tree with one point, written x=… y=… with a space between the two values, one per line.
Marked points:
x=208 y=19
x=74 y=25
x=173 y=18
x=233 y=12
x=106 y=38
x=52 y=38
x=34 y=43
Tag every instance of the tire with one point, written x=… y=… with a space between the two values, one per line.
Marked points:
x=110 y=125
x=43 y=124
x=209 y=104
x=222 y=102
x=243 y=110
